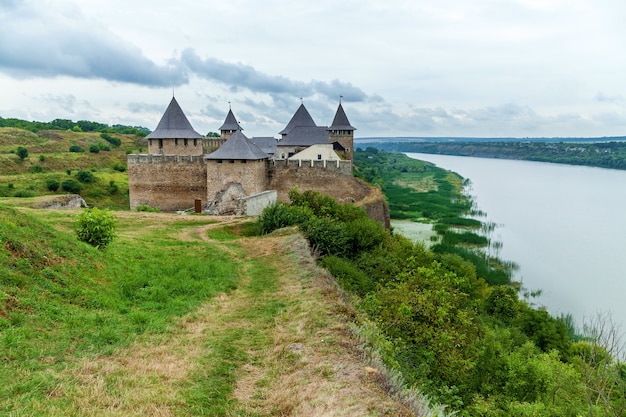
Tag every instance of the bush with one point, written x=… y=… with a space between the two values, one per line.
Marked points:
x=86 y=177
x=71 y=186
x=279 y=215
x=111 y=139
x=22 y=153
x=76 y=148
x=52 y=184
x=94 y=148
x=349 y=276
x=364 y=235
x=113 y=187
x=326 y=236
x=23 y=194
x=147 y=208
x=96 y=227
x=119 y=167
x=36 y=169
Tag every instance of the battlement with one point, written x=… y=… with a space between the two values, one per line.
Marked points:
x=341 y=166
x=158 y=158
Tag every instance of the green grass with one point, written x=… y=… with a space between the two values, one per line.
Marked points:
x=49 y=158
x=62 y=300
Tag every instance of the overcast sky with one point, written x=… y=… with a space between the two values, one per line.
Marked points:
x=523 y=68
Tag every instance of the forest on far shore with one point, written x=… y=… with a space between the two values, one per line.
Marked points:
x=603 y=154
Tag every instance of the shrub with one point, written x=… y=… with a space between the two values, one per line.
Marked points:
x=42 y=158
x=52 y=184
x=113 y=187
x=119 y=167
x=86 y=177
x=71 y=186
x=112 y=140
x=349 y=276
x=364 y=234
x=22 y=153
x=147 y=208
x=23 y=194
x=279 y=215
x=94 y=148
x=76 y=148
x=96 y=227
x=326 y=236
x=36 y=169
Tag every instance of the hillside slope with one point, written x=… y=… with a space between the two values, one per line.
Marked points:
x=249 y=326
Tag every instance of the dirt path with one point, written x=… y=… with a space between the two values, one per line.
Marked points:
x=297 y=356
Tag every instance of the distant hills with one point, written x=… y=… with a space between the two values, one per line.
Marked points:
x=403 y=139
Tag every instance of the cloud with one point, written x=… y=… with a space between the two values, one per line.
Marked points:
x=245 y=76
x=603 y=98
x=58 y=40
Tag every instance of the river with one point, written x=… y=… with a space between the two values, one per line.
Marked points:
x=564 y=225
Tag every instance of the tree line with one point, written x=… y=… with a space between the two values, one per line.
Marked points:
x=599 y=154
x=79 y=126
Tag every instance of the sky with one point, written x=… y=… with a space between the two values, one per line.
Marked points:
x=473 y=68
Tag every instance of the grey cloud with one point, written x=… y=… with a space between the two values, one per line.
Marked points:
x=245 y=76
x=137 y=107
x=601 y=97
x=71 y=45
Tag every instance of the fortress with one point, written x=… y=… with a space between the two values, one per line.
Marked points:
x=234 y=174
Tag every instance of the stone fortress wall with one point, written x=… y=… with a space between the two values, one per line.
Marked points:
x=169 y=182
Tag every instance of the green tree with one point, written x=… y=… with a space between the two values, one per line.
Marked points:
x=96 y=227
x=22 y=153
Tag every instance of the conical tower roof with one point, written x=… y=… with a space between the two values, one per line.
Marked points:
x=238 y=146
x=231 y=122
x=174 y=125
x=341 y=122
x=301 y=118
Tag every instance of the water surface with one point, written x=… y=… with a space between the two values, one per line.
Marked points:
x=564 y=225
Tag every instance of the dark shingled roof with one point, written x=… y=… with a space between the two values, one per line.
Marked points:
x=266 y=144
x=231 y=122
x=174 y=125
x=305 y=136
x=238 y=146
x=340 y=122
x=300 y=118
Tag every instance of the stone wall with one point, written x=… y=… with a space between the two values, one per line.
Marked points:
x=254 y=204
x=333 y=180
x=176 y=146
x=220 y=173
x=169 y=182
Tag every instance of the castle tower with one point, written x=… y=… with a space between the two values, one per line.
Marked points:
x=230 y=126
x=301 y=118
x=342 y=132
x=174 y=134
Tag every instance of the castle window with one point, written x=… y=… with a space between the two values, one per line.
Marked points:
x=175 y=142
x=195 y=142
x=319 y=156
x=186 y=142
x=243 y=161
x=161 y=144
x=219 y=161
x=232 y=161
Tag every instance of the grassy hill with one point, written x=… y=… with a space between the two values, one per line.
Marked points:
x=180 y=315
x=50 y=161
